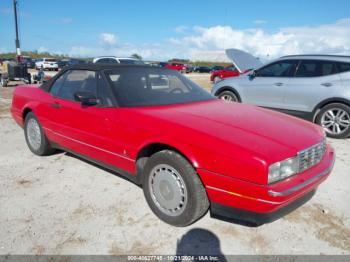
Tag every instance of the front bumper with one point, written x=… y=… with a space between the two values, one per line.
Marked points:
x=249 y=218
x=228 y=193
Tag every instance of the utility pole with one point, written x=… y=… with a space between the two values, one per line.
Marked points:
x=18 y=49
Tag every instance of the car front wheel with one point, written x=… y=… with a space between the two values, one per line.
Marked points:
x=173 y=189
x=228 y=96
x=35 y=137
x=335 y=120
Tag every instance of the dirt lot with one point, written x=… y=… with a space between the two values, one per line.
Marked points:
x=63 y=205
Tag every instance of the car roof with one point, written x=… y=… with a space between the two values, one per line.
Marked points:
x=95 y=67
x=114 y=57
x=340 y=58
x=103 y=66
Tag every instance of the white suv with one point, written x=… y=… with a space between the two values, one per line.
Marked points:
x=117 y=60
x=313 y=87
x=46 y=63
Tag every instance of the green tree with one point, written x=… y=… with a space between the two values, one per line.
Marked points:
x=136 y=56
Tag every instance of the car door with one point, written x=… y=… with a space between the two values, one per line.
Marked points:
x=88 y=130
x=313 y=82
x=266 y=86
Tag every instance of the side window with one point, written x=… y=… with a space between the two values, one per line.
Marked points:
x=277 y=69
x=104 y=93
x=343 y=67
x=57 y=84
x=78 y=80
x=328 y=68
x=102 y=60
x=313 y=68
x=107 y=61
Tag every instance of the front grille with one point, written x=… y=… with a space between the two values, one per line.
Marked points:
x=311 y=156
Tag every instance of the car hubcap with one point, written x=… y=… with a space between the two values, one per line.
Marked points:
x=227 y=98
x=34 y=134
x=335 y=121
x=168 y=190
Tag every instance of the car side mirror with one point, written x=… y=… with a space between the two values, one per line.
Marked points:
x=253 y=74
x=86 y=98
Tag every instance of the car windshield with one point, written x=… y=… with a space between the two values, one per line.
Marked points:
x=130 y=62
x=50 y=60
x=153 y=86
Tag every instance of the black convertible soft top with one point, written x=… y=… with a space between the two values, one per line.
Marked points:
x=91 y=67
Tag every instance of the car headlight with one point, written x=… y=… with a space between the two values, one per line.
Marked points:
x=283 y=169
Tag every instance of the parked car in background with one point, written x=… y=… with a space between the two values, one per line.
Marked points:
x=162 y=64
x=188 y=150
x=46 y=64
x=176 y=66
x=313 y=87
x=202 y=69
x=117 y=60
x=229 y=71
x=29 y=62
x=68 y=62
x=214 y=68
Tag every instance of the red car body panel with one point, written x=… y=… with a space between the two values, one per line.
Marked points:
x=224 y=73
x=231 y=145
x=176 y=67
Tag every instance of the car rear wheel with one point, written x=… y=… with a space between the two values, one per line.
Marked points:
x=35 y=137
x=3 y=82
x=228 y=96
x=173 y=189
x=335 y=120
x=217 y=79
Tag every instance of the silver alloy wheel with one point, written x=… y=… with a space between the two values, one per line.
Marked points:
x=168 y=190
x=228 y=97
x=335 y=121
x=34 y=134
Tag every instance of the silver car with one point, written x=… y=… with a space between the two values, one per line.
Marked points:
x=313 y=87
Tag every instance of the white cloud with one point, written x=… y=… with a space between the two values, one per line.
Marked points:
x=42 y=49
x=108 y=39
x=209 y=43
x=331 y=38
x=180 y=29
x=259 y=22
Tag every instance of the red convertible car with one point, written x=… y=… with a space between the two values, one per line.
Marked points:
x=189 y=151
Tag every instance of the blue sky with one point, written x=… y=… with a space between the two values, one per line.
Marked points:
x=164 y=29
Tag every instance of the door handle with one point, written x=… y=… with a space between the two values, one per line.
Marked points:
x=278 y=84
x=327 y=84
x=55 y=105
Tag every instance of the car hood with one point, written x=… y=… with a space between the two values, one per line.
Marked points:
x=243 y=60
x=270 y=135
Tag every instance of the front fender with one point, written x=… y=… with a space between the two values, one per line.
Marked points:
x=182 y=148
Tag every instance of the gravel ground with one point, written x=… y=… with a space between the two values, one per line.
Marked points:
x=63 y=205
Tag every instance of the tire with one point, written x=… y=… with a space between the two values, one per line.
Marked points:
x=228 y=96
x=184 y=199
x=3 y=82
x=35 y=137
x=217 y=79
x=335 y=120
